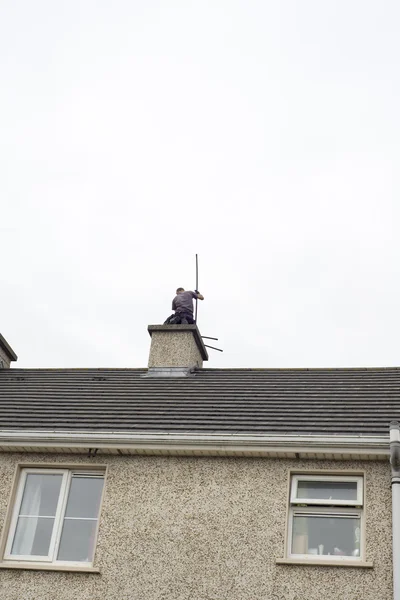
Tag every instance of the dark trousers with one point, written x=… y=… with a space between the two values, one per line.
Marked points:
x=186 y=317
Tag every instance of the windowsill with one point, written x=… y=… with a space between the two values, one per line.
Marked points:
x=44 y=567
x=324 y=563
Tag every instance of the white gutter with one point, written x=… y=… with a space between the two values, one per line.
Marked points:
x=183 y=442
x=395 y=464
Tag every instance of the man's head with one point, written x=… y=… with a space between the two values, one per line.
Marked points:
x=180 y=290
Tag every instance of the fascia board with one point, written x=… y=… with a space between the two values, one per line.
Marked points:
x=192 y=442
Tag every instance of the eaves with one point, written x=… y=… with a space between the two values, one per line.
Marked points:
x=190 y=444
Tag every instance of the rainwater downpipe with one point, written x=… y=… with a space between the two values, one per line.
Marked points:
x=395 y=464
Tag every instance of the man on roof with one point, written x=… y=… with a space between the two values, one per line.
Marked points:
x=182 y=304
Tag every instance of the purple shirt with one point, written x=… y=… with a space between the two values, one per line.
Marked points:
x=184 y=302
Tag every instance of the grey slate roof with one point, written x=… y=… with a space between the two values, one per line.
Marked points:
x=279 y=401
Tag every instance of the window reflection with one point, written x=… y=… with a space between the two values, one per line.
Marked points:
x=325 y=490
x=326 y=535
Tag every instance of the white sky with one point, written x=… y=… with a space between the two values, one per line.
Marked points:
x=262 y=134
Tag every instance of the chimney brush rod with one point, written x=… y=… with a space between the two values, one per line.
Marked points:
x=207 y=337
x=219 y=349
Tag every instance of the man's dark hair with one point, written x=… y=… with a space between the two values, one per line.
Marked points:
x=180 y=290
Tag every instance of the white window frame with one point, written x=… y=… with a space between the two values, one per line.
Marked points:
x=328 y=478
x=51 y=558
x=336 y=508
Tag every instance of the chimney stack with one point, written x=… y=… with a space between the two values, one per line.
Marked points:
x=176 y=346
x=7 y=354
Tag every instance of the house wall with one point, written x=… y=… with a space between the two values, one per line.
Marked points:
x=187 y=528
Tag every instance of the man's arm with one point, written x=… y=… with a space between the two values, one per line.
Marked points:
x=173 y=304
x=198 y=295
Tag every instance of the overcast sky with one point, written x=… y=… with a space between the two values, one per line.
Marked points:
x=262 y=134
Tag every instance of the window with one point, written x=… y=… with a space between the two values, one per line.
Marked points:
x=325 y=517
x=55 y=517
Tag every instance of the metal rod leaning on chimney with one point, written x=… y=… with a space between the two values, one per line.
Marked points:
x=207 y=337
x=219 y=349
x=197 y=286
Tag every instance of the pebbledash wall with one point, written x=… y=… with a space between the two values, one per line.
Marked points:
x=199 y=528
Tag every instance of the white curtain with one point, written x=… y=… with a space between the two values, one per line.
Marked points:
x=26 y=527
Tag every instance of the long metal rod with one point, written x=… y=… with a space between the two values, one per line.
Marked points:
x=197 y=285
x=219 y=349
x=207 y=337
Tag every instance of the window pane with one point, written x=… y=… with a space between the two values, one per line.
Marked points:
x=32 y=536
x=84 y=497
x=326 y=534
x=327 y=490
x=41 y=494
x=77 y=540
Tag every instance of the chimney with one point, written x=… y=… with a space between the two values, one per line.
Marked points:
x=7 y=354
x=176 y=346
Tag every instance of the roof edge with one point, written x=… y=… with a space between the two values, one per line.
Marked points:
x=212 y=444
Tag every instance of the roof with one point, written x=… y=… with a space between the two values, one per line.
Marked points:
x=276 y=401
x=7 y=348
